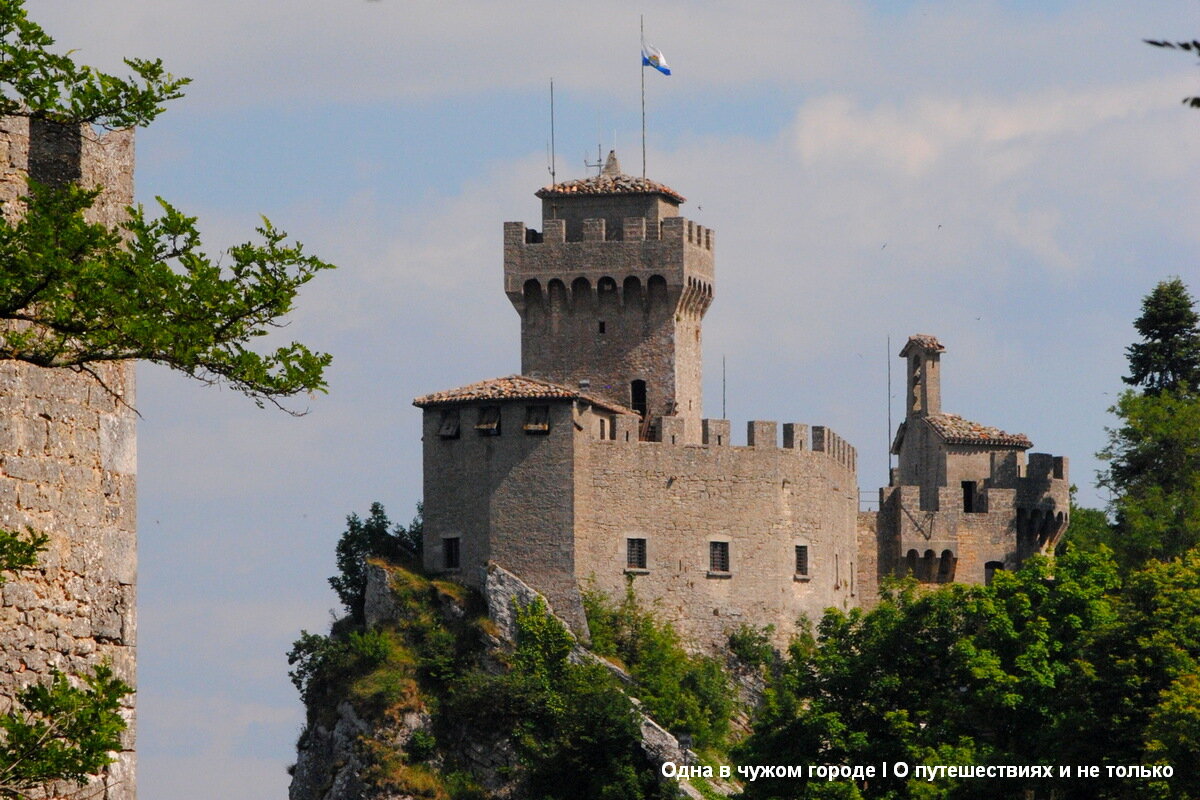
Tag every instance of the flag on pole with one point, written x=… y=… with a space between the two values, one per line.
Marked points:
x=653 y=57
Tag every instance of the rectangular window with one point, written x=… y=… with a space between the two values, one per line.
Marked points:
x=802 y=559
x=718 y=556
x=449 y=427
x=537 y=419
x=635 y=553
x=968 y=490
x=602 y=326
x=450 y=554
x=489 y=421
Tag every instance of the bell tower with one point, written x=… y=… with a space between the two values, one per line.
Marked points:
x=612 y=293
x=924 y=354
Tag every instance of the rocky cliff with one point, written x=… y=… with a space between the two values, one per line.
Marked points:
x=435 y=708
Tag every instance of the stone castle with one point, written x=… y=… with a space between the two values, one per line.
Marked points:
x=68 y=463
x=596 y=465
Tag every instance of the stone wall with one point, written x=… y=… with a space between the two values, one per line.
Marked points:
x=613 y=209
x=68 y=463
x=611 y=311
x=507 y=498
x=761 y=500
x=1020 y=509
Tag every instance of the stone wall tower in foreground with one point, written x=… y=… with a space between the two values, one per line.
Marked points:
x=68 y=461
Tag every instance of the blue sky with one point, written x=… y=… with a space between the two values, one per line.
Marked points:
x=1012 y=177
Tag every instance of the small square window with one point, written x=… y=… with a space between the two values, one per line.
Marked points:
x=449 y=427
x=489 y=421
x=802 y=559
x=635 y=553
x=537 y=419
x=450 y=553
x=718 y=556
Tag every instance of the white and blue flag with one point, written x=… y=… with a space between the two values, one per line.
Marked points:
x=653 y=57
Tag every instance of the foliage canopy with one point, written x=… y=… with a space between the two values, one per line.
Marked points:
x=1059 y=663
x=1168 y=357
x=74 y=294
x=1153 y=454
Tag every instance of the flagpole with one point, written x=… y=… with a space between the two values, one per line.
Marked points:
x=642 y=26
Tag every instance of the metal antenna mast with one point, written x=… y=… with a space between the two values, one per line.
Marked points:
x=599 y=165
x=889 y=404
x=553 y=164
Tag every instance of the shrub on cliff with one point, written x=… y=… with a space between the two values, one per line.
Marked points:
x=685 y=693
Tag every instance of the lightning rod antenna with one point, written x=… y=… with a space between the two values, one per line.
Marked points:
x=553 y=163
x=888 y=359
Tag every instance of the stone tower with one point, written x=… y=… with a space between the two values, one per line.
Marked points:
x=611 y=296
x=68 y=463
x=965 y=499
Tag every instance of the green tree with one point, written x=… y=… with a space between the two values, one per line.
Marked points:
x=961 y=675
x=685 y=693
x=74 y=294
x=1089 y=531
x=362 y=540
x=1153 y=455
x=1168 y=357
x=1154 y=473
x=575 y=730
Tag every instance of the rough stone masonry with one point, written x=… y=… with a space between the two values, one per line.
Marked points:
x=68 y=464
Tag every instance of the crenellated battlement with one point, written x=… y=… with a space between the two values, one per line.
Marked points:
x=632 y=229
x=638 y=242
x=616 y=299
x=669 y=261
x=760 y=435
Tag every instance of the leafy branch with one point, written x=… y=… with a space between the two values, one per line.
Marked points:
x=76 y=294
x=60 y=732
x=20 y=551
x=1192 y=47
x=35 y=82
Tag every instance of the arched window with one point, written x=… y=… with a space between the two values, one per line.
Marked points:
x=926 y=571
x=946 y=567
x=637 y=396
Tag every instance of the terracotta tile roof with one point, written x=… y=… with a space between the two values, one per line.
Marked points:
x=513 y=387
x=610 y=181
x=953 y=429
x=923 y=341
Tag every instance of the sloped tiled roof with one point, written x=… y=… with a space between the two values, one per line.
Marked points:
x=609 y=184
x=610 y=181
x=923 y=341
x=513 y=387
x=953 y=429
